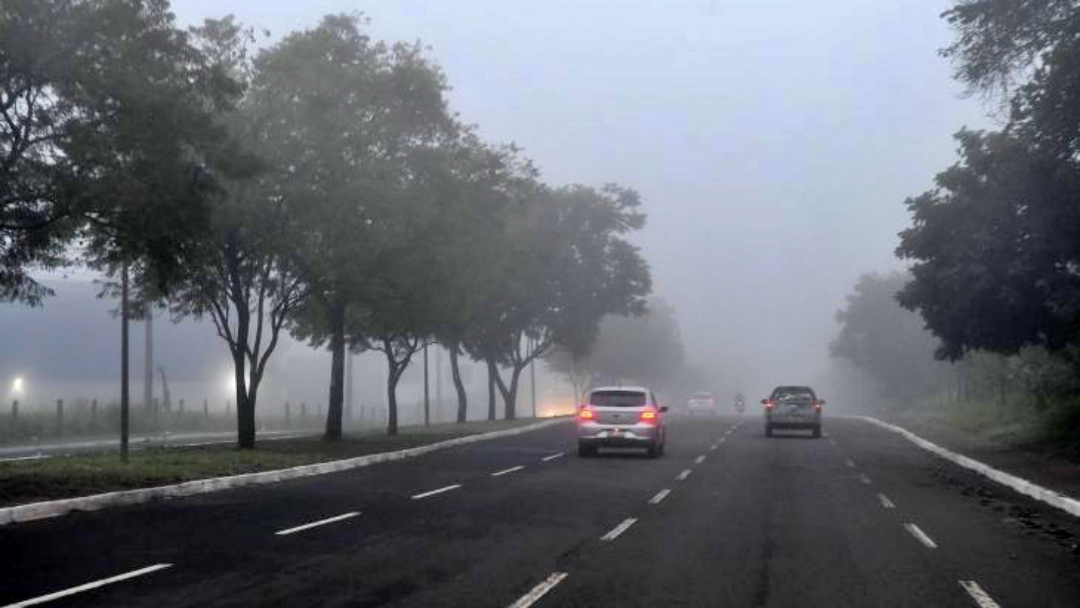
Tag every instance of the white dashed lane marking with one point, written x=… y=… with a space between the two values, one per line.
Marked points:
x=661 y=495
x=920 y=536
x=849 y=462
x=552 y=457
x=506 y=471
x=315 y=524
x=699 y=459
x=88 y=586
x=885 y=502
x=982 y=598
x=619 y=529
x=863 y=478
x=539 y=591
x=682 y=476
x=434 y=492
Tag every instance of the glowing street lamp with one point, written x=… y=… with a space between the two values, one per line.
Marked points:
x=17 y=387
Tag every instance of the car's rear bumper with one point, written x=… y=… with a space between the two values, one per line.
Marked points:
x=637 y=435
x=806 y=423
x=703 y=411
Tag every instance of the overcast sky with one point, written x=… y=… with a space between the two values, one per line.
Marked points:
x=774 y=141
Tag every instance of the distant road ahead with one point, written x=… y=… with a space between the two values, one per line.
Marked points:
x=728 y=518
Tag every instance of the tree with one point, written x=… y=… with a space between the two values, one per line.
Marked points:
x=645 y=349
x=243 y=273
x=347 y=119
x=567 y=265
x=889 y=342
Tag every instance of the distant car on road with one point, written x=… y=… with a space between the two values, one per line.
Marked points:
x=793 y=407
x=621 y=416
x=700 y=403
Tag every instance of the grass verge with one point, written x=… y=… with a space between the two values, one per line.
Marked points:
x=84 y=474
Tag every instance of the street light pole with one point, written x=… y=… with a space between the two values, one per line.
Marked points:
x=124 y=402
x=427 y=392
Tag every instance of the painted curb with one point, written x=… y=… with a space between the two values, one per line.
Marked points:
x=1021 y=485
x=55 y=508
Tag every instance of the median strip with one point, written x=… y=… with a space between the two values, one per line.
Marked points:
x=539 y=591
x=88 y=586
x=506 y=471
x=434 y=492
x=619 y=529
x=920 y=536
x=982 y=598
x=315 y=524
x=93 y=502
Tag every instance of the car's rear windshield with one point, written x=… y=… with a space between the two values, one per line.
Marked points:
x=701 y=396
x=618 y=398
x=786 y=393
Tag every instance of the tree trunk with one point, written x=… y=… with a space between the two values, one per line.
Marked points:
x=459 y=386
x=337 y=371
x=491 y=389
x=427 y=391
x=509 y=393
x=391 y=402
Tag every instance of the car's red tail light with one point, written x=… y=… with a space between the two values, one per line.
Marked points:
x=586 y=414
x=769 y=404
x=650 y=416
x=817 y=406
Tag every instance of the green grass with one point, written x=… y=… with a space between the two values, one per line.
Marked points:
x=79 y=475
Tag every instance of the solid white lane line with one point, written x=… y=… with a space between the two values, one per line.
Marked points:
x=849 y=462
x=682 y=476
x=314 y=524
x=434 y=492
x=885 y=502
x=619 y=529
x=863 y=478
x=539 y=591
x=505 y=471
x=699 y=459
x=553 y=457
x=88 y=586
x=661 y=495
x=982 y=598
x=921 y=536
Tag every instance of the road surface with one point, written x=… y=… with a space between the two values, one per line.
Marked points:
x=728 y=518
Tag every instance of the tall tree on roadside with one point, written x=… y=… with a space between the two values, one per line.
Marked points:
x=349 y=119
x=244 y=275
x=568 y=265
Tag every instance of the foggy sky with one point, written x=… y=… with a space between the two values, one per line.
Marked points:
x=773 y=141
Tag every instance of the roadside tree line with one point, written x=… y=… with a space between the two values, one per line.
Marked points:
x=994 y=247
x=319 y=186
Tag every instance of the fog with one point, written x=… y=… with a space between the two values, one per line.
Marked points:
x=772 y=141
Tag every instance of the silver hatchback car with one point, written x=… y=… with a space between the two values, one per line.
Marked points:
x=793 y=407
x=623 y=417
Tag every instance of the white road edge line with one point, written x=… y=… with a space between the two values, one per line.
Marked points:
x=981 y=597
x=682 y=476
x=1023 y=486
x=539 y=591
x=699 y=459
x=619 y=529
x=553 y=457
x=314 y=524
x=25 y=458
x=434 y=492
x=921 y=536
x=661 y=495
x=885 y=502
x=505 y=471
x=88 y=586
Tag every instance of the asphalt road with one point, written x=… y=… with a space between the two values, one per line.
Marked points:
x=727 y=518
